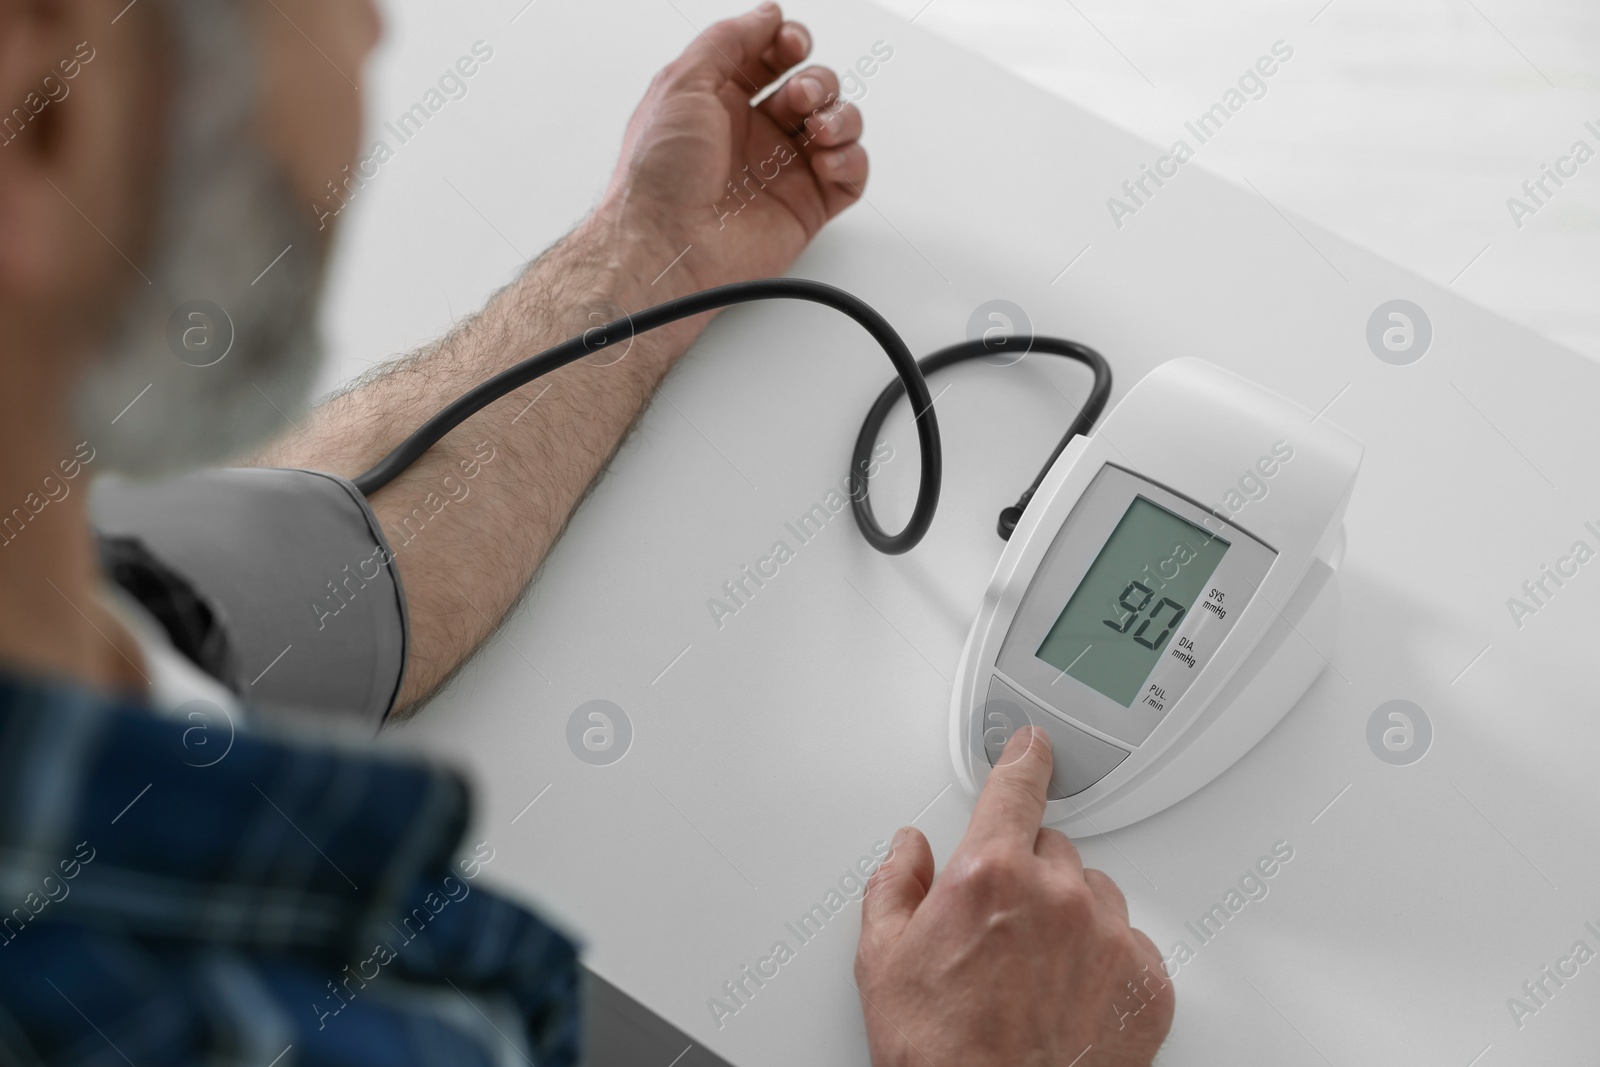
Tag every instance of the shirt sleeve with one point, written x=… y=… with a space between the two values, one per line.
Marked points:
x=298 y=571
x=213 y=895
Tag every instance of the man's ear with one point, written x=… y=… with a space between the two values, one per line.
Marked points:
x=25 y=36
x=82 y=98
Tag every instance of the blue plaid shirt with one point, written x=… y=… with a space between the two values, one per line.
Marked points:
x=174 y=897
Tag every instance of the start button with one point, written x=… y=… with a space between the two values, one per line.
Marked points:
x=1081 y=759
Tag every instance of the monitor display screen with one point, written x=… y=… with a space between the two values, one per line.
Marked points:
x=1139 y=589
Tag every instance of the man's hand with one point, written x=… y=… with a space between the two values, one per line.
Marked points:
x=471 y=521
x=1016 y=955
x=745 y=188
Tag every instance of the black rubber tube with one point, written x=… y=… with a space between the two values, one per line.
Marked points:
x=1087 y=416
x=910 y=381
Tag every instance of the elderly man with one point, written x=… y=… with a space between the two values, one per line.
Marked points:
x=170 y=894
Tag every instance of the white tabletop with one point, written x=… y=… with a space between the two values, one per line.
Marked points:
x=770 y=754
x=1401 y=125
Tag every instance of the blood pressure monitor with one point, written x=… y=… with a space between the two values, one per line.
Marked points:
x=1167 y=596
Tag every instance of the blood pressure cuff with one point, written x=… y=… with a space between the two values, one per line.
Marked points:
x=291 y=565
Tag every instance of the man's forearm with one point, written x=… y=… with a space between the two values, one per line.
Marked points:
x=471 y=521
x=710 y=161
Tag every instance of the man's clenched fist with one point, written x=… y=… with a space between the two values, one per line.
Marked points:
x=743 y=186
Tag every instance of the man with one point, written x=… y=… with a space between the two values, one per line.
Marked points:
x=281 y=899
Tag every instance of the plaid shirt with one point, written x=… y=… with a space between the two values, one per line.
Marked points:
x=175 y=891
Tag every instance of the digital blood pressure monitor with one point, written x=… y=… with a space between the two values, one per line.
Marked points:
x=1167 y=596
x=1164 y=597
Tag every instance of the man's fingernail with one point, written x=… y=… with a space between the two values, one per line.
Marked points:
x=811 y=90
x=1024 y=739
x=804 y=37
x=767 y=8
x=899 y=838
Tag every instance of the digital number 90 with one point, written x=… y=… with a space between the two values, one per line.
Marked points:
x=1134 y=599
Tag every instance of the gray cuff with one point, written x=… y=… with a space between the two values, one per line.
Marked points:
x=298 y=567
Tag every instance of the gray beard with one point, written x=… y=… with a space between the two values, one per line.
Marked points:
x=217 y=348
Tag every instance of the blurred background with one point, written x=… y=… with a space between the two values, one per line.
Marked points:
x=1402 y=126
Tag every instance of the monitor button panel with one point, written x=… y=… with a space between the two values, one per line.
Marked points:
x=1081 y=759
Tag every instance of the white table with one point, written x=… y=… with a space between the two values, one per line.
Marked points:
x=770 y=754
x=1401 y=125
